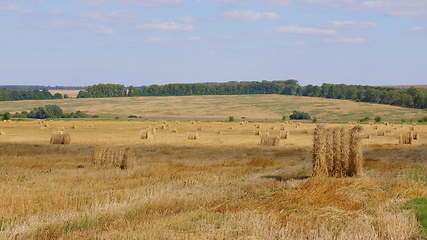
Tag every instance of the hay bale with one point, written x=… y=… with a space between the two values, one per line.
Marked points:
x=146 y=134
x=153 y=131
x=406 y=138
x=60 y=137
x=199 y=129
x=267 y=140
x=337 y=152
x=284 y=134
x=380 y=133
x=174 y=131
x=416 y=136
x=193 y=136
x=120 y=157
x=320 y=168
x=356 y=160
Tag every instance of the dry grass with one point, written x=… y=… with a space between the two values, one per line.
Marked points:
x=219 y=187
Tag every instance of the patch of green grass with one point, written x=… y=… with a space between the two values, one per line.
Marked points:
x=80 y=225
x=418 y=174
x=419 y=205
x=5 y=222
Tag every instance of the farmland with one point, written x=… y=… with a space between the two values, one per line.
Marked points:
x=223 y=185
x=255 y=107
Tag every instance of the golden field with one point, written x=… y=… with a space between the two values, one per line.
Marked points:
x=252 y=107
x=224 y=185
x=70 y=93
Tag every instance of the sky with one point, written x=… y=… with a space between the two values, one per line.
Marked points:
x=141 y=42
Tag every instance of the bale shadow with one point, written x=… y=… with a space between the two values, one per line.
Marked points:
x=284 y=179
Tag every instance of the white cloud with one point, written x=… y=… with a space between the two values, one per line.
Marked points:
x=306 y=30
x=12 y=7
x=9 y=7
x=134 y=2
x=417 y=29
x=97 y=28
x=281 y=3
x=398 y=7
x=113 y=16
x=343 y=24
x=347 y=40
x=390 y=7
x=249 y=15
x=167 y=26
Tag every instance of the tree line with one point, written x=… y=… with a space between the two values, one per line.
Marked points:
x=410 y=97
x=15 y=95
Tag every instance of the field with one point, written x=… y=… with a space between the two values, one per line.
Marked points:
x=252 y=107
x=223 y=185
x=70 y=93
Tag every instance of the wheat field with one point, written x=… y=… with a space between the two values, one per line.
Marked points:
x=222 y=185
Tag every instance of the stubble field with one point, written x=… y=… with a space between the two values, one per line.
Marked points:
x=224 y=185
x=251 y=107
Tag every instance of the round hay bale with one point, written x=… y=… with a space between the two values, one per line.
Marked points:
x=266 y=140
x=193 y=136
x=119 y=157
x=60 y=137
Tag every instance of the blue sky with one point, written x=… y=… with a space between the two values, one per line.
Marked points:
x=140 y=42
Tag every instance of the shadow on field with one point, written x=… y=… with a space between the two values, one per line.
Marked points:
x=284 y=179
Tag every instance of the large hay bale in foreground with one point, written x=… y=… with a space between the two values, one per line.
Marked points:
x=120 y=157
x=337 y=152
x=60 y=137
x=267 y=140
x=193 y=136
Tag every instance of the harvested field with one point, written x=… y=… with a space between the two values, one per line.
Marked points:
x=221 y=186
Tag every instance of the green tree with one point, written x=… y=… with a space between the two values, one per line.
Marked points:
x=5 y=116
x=296 y=115
x=53 y=111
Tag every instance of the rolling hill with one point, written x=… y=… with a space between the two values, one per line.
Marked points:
x=252 y=107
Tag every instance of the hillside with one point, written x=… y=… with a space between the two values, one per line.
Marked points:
x=258 y=107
